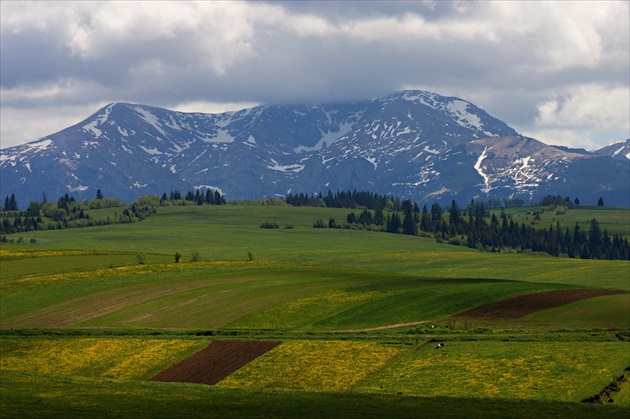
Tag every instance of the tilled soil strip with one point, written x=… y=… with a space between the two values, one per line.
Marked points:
x=522 y=305
x=215 y=362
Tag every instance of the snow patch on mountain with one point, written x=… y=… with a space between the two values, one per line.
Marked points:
x=150 y=119
x=327 y=138
x=172 y=124
x=292 y=168
x=91 y=127
x=478 y=168
x=222 y=136
x=38 y=146
x=79 y=188
x=151 y=151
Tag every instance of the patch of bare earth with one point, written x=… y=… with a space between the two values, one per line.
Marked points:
x=522 y=305
x=215 y=362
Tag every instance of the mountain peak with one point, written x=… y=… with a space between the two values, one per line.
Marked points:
x=414 y=144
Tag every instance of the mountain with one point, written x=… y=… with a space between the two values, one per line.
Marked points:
x=619 y=150
x=411 y=144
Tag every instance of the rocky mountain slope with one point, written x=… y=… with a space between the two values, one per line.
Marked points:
x=412 y=144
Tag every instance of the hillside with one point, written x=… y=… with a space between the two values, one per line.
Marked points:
x=304 y=321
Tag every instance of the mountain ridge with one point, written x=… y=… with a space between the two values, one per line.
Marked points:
x=413 y=144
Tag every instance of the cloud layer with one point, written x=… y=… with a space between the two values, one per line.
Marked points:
x=555 y=70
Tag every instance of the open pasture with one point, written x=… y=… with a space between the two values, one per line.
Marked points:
x=32 y=395
x=230 y=233
x=611 y=311
x=354 y=312
x=614 y=219
x=244 y=295
x=531 y=370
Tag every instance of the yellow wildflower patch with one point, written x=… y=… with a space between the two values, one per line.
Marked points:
x=6 y=254
x=118 y=358
x=522 y=370
x=313 y=365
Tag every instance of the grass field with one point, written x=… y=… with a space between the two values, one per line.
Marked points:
x=613 y=219
x=83 y=324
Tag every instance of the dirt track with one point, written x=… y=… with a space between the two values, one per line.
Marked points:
x=520 y=306
x=215 y=362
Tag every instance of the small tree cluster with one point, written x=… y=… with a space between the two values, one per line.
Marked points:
x=67 y=212
x=269 y=224
x=199 y=197
x=10 y=203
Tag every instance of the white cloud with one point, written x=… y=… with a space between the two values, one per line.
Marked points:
x=20 y=125
x=591 y=106
x=213 y=107
x=66 y=89
x=564 y=137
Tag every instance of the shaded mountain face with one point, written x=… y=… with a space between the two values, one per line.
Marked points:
x=619 y=150
x=412 y=144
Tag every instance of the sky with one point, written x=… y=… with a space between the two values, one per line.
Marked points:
x=557 y=71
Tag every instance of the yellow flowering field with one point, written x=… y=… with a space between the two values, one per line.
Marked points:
x=623 y=397
x=117 y=358
x=522 y=370
x=313 y=365
x=6 y=254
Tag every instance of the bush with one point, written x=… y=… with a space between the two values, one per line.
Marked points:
x=195 y=257
x=288 y=226
x=178 y=256
x=319 y=224
x=141 y=258
x=455 y=241
x=269 y=224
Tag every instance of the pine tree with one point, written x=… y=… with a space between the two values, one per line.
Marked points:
x=379 y=218
x=13 y=205
x=425 y=220
x=218 y=198
x=394 y=224
x=409 y=225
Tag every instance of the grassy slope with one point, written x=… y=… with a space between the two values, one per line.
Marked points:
x=614 y=219
x=388 y=278
x=321 y=280
x=85 y=397
x=230 y=232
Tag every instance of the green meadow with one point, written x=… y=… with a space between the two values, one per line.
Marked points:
x=613 y=219
x=358 y=314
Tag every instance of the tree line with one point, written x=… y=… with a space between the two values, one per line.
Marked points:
x=209 y=197
x=68 y=212
x=345 y=199
x=476 y=228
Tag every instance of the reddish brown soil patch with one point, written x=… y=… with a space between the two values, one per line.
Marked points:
x=520 y=306
x=215 y=362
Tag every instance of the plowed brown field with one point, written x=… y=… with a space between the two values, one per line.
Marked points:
x=522 y=305
x=215 y=362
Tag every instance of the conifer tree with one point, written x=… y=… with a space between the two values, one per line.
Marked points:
x=409 y=225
